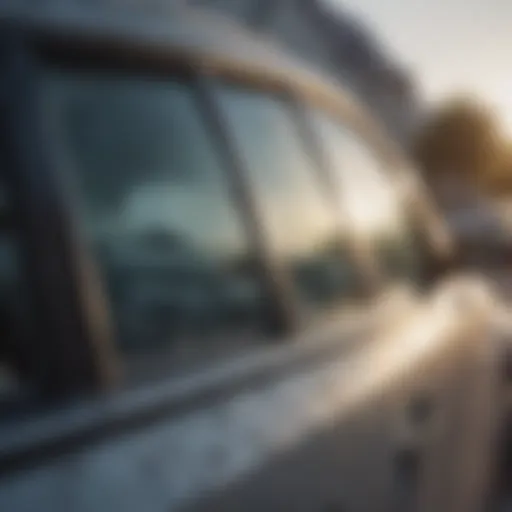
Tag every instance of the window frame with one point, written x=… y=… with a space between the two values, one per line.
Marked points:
x=85 y=297
x=64 y=359
x=97 y=56
x=289 y=316
x=283 y=309
x=393 y=167
x=288 y=95
x=362 y=255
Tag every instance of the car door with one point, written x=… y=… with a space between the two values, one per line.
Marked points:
x=222 y=287
x=258 y=366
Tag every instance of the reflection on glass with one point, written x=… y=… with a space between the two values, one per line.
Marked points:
x=298 y=220
x=170 y=244
x=368 y=198
x=366 y=195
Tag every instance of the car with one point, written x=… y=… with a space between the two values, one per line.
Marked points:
x=223 y=286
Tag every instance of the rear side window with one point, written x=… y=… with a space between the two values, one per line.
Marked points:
x=370 y=199
x=298 y=220
x=171 y=245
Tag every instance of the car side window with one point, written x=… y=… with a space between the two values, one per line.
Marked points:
x=16 y=366
x=170 y=243
x=297 y=218
x=370 y=199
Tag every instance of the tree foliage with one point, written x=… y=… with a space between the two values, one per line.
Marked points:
x=461 y=137
x=499 y=182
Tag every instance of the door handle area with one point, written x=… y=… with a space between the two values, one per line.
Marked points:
x=409 y=455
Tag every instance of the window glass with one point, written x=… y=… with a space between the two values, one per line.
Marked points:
x=15 y=319
x=298 y=220
x=370 y=199
x=169 y=241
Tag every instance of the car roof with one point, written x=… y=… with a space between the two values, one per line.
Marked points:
x=203 y=36
x=179 y=26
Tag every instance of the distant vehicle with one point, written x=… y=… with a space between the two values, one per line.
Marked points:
x=221 y=283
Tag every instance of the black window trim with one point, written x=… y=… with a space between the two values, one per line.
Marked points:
x=276 y=282
x=58 y=274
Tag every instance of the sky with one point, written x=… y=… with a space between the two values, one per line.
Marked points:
x=451 y=46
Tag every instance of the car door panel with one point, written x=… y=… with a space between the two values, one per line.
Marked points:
x=356 y=461
x=172 y=462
